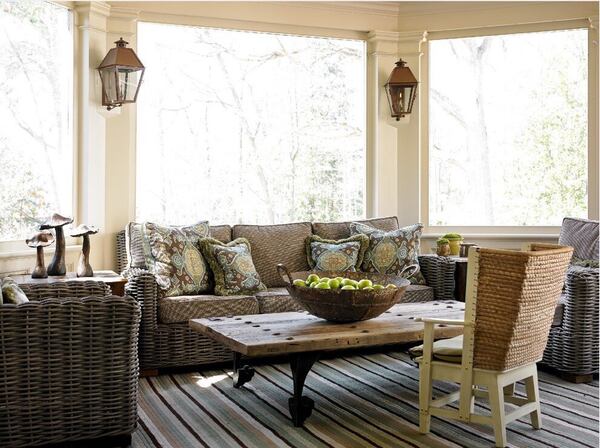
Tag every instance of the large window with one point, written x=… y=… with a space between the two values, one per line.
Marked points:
x=508 y=129
x=249 y=127
x=36 y=98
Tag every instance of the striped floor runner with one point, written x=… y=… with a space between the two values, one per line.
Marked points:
x=368 y=400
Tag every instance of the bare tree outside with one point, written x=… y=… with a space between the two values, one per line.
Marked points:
x=245 y=127
x=36 y=94
x=508 y=129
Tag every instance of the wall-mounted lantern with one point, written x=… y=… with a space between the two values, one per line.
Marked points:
x=121 y=73
x=401 y=89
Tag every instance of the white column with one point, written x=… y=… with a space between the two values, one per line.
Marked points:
x=91 y=182
x=593 y=127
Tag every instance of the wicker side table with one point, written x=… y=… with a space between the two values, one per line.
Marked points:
x=115 y=282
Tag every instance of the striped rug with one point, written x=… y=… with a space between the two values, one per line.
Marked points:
x=365 y=400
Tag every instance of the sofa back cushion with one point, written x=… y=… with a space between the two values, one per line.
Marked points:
x=582 y=235
x=341 y=230
x=273 y=244
x=135 y=249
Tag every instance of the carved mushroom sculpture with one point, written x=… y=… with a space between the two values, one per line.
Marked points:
x=83 y=266
x=38 y=241
x=57 y=265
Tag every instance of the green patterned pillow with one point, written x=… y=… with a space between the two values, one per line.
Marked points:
x=390 y=252
x=232 y=266
x=341 y=255
x=173 y=256
x=11 y=293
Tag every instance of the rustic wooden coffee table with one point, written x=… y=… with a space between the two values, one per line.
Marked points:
x=304 y=337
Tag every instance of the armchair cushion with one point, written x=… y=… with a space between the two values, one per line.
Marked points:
x=582 y=235
x=448 y=350
x=10 y=292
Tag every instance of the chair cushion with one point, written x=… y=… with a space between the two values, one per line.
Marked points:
x=418 y=293
x=341 y=230
x=180 y=309
x=10 y=292
x=336 y=255
x=134 y=243
x=232 y=266
x=448 y=350
x=173 y=256
x=276 y=300
x=273 y=244
x=390 y=252
x=582 y=235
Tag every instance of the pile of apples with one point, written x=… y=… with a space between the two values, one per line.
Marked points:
x=313 y=281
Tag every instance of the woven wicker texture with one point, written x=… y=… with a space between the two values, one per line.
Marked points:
x=418 y=293
x=68 y=365
x=271 y=245
x=121 y=252
x=277 y=300
x=439 y=274
x=582 y=235
x=180 y=309
x=517 y=293
x=340 y=230
x=134 y=246
x=573 y=347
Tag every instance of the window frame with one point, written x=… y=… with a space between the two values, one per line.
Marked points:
x=516 y=232
x=264 y=28
x=16 y=247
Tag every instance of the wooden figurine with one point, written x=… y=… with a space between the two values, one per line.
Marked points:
x=84 y=269
x=38 y=241
x=57 y=266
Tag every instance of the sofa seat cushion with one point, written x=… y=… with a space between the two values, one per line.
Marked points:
x=418 y=293
x=276 y=300
x=273 y=244
x=180 y=309
x=341 y=230
x=448 y=350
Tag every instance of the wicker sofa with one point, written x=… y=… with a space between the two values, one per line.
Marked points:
x=573 y=345
x=69 y=366
x=167 y=341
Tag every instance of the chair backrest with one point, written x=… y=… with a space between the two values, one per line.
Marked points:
x=511 y=302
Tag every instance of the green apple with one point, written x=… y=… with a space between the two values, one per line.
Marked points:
x=391 y=286
x=312 y=278
x=324 y=279
x=368 y=288
x=378 y=287
x=365 y=282
x=313 y=285
x=348 y=287
x=339 y=279
x=334 y=283
x=299 y=282
x=349 y=281
x=322 y=285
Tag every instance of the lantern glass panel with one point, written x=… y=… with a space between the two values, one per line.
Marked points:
x=128 y=83
x=109 y=84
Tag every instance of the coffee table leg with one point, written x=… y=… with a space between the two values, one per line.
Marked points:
x=241 y=374
x=301 y=407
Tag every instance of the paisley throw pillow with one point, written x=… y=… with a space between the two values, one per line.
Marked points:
x=10 y=292
x=173 y=255
x=390 y=252
x=331 y=255
x=232 y=266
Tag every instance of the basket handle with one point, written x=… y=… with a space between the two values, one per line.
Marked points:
x=283 y=272
x=410 y=270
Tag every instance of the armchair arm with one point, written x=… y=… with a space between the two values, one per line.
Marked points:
x=70 y=289
x=581 y=300
x=439 y=274
x=142 y=286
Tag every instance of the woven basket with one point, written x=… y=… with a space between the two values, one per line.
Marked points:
x=340 y=305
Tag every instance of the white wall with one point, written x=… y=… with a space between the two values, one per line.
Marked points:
x=106 y=140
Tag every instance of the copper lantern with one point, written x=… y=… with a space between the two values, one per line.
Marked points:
x=121 y=73
x=401 y=89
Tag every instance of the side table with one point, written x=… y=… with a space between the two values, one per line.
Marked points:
x=111 y=278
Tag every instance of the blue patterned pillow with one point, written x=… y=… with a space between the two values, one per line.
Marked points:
x=339 y=256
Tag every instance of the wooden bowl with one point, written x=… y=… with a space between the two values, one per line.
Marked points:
x=341 y=305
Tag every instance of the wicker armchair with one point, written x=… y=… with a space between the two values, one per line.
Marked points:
x=68 y=366
x=573 y=346
x=510 y=302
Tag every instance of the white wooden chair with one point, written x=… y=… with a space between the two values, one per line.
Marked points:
x=510 y=301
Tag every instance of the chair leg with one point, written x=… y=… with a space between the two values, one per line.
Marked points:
x=533 y=395
x=496 y=393
x=509 y=390
x=424 y=399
